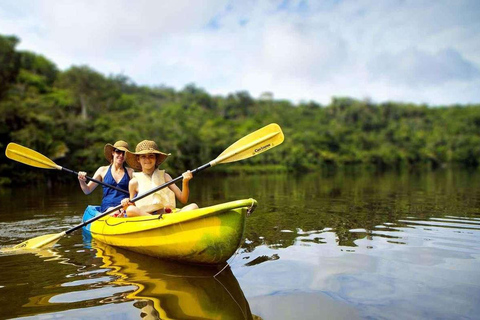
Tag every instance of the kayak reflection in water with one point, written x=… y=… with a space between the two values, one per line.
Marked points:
x=169 y=290
x=146 y=158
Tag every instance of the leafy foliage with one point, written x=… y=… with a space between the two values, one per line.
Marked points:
x=70 y=115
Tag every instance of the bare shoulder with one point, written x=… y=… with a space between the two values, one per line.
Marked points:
x=167 y=176
x=130 y=172
x=102 y=171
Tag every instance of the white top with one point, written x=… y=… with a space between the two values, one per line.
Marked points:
x=155 y=201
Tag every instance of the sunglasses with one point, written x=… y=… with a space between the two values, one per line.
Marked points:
x=119 y=151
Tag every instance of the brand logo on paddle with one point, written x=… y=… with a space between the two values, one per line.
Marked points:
x=21 y=245
x=263 y=148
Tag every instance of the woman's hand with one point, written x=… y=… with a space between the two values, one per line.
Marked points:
x=82 y=176
x=187 y=175
x=125 y=202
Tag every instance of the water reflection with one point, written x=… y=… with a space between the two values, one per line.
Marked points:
x=346 y=202
x=28 y=282
x=399 y=266
x=168 y=290
x=56 y=285
x=390 y=246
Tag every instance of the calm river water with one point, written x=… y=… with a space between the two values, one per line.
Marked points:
x=345 y=246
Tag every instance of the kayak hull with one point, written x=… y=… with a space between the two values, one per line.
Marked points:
x=209 y=235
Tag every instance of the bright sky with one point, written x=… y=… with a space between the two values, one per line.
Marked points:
x=386 y=50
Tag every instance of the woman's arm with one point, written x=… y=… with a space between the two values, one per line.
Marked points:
x=132 y=189
x=182 y=195
x=87 y=188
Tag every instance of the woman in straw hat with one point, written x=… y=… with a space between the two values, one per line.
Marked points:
x=146 y=158
x=115 y=174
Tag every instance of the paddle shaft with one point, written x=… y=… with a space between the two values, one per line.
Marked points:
x=96 y=181
x=141 y=196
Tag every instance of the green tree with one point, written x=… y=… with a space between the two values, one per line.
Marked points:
x=9 y=63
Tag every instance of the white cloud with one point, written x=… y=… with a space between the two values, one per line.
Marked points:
x=418 y=51
x=416 y=68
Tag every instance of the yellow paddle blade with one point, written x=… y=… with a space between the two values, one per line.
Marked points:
x=255 y=143
x=44 y=241
x=29 y=157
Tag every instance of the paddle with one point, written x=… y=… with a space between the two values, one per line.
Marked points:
x=255 y=143
x=35 y=159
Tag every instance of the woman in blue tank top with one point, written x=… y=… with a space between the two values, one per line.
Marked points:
x=116 y=174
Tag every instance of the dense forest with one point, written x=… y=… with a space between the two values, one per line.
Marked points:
x=70 y=115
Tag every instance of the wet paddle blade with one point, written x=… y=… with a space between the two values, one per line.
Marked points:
x=255 y=143
x=44 y=241
x=29 y=157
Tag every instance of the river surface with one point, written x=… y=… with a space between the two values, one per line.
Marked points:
x=343 y=246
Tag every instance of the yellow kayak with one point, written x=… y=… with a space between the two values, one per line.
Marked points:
x=209 y=235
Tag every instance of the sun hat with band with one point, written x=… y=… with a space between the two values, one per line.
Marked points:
x=145 y=147
x=119 y=145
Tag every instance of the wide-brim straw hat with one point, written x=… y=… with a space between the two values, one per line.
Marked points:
x=120 y=145
x=145 y=147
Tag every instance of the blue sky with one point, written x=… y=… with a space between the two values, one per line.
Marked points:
x=410 y=51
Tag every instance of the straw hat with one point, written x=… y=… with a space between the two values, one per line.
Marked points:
x=145 y=147
x=120 y=145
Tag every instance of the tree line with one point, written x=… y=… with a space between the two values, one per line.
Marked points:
x=70 y=115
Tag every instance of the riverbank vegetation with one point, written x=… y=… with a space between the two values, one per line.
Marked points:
x=69 y=116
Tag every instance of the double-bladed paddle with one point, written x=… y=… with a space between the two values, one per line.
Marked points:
x=35 y=159
x=255 y=143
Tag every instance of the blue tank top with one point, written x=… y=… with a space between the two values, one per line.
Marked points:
x=112 y=197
